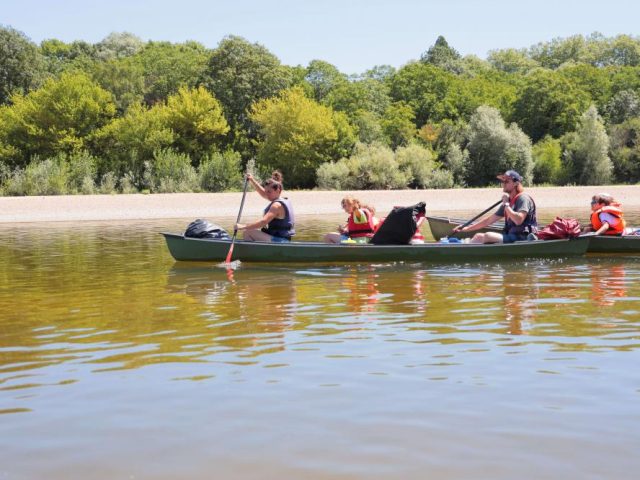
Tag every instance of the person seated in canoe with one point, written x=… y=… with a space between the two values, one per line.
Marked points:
x=606 y=216
x=277 y=223
x=518 y=210
x=361 y=223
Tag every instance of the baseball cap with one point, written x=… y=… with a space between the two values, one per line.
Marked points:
x=512 y=174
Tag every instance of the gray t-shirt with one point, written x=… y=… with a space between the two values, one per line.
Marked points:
x=523 y=204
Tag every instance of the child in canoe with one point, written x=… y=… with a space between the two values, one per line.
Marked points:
x=606 y=216
x=360 y=226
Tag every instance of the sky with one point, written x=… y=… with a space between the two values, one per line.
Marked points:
x=353 y=35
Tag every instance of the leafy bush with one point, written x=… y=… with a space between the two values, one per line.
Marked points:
x=547 y=158
x=220 y=171
x=48 y=177
x=82 y=169
x=455 y=161
x=128 y=183
x=440 y=179
x=418 y=164
x=108 y=183
x=333 y=175
x=375 y=167
x=625 y=150
x=587 y=151
x=494 y=147
x=172 y=172
x=370 y=167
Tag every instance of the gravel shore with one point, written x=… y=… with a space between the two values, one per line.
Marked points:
x=308 y=202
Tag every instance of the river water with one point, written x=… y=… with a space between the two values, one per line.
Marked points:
x=117 y=362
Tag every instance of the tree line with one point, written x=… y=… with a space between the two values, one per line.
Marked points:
x=126 y=115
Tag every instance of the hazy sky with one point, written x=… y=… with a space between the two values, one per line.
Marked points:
x=354 y=35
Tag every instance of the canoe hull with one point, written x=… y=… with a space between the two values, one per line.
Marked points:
x=609 y=244
x=193 y=249
x=443 y=227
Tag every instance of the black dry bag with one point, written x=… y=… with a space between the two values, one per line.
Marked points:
x=203 y=229
x=399 y=226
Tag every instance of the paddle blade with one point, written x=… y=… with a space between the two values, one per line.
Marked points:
x=230 y=265
x=230 y=254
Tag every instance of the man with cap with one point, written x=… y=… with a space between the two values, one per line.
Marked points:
x=518 y=211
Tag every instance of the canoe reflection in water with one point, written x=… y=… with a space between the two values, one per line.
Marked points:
x=252 y=309
x=608 y=284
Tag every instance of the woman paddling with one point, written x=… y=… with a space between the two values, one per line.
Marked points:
x=277 y=223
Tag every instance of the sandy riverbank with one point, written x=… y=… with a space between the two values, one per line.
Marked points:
x=216 y=205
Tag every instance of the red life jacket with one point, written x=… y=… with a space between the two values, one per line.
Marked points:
x=614 y=210
x=362 y=227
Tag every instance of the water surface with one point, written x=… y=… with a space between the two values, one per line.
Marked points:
x=116 y=362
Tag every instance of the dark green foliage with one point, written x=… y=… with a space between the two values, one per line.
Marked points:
x=21 y=65
x=220 y=172
x=240 y=73
x=625 y=150
x=549 y=104
x=442 y=55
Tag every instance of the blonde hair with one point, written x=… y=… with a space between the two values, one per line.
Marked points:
x=354 y=202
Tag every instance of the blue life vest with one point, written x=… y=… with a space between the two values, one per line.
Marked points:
x=281 y=227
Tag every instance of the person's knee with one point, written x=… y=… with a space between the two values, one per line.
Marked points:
x=478 y=238
x=330 y=238
x=249 y=235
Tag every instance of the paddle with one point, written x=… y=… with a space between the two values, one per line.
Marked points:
x=235 y=228
x=477 y=217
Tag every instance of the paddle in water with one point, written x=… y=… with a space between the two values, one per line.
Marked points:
x=466 y=224
x=228 y=263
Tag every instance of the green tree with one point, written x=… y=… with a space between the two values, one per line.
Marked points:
x=623 y=106
x=167 y=67
x=511 y=60
x=368 y=127
x=60 y=117
x=493 y=148
x=61 y=57
x=118 y=45
x=297 y=135
x=398 y=124
x=487 y=88
x=625 y=150
x=323 y=78
x=547 y=158
x=442 y=55
x=623 y=50
x=240 y=73
x=196 y=119
x=549 y=104
x=353 y=97
x=129 y=141
x=587 y=151
x=21 y=65
x=594 y=81
x=426 y=89
x=123 y=77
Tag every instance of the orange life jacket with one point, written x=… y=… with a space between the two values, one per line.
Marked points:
x=614 y=210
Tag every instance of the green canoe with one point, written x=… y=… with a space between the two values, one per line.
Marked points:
x=443 y=227
x=195 y=249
